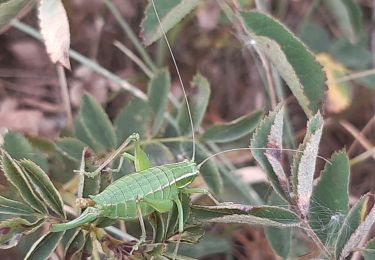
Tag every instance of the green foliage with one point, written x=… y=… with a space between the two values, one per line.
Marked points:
x=233 y=130
x=9 y=9
x=170 y=12
x=295 y=63
x=95 y=149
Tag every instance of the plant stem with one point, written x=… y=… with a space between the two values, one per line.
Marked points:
x=65 y=95
x=310 y=232
x=87 y=62
x=129 y=32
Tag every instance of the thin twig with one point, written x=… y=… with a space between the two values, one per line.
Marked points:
x=352 y=76
x=357 y=135
x=362 y=133
x=362 y=157
x=87 y=62
x=134 y=58
x=129 y=32
x=65 y=95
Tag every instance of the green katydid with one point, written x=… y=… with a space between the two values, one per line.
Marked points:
x=148 y=190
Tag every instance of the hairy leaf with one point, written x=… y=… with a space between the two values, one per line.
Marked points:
x=44 y=246
x=158 y=153
x=12 y=207
x=15 y=175
x=295 y=63
x=356 y=226
x=331 y=196
x=233 y=130
x=14 y=229
x=245 y=214
x=258 y=142
x=158 y=90
x=97 y=123
x=54 y=27
x=198 y=102
x=304 y=162
x=81 y=132
x=45 y=188
x=170 y=12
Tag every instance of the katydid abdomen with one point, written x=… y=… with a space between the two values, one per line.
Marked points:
x=119 y=200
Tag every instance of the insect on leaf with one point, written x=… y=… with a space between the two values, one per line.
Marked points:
x=97 y=122
x=233 y=130
x=9 y=9
x=260 y=140
x=198 y=102
x=295 y=63
x=170 y=13
x=44 y=246
x=304 y=162
x=12 y=207
x=356 y=226
x=15 y=175
x=43 y=184
x=158 y=90
x=141 y=160
x=54 y=27
x=14 y=229
x=330 y=195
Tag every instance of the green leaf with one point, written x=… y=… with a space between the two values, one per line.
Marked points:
x=76 y=245
x=20 y=148
x=198 y=102
x=209 y=171
x=348 y=16
x=97 y=122
x=233 y=130
x=158 y=153
x=157 y=223
x=44 y=186
x=44 y=246
x=15 y=175
x=81 y=132
x=278 y=238
x=158 y=90
x=369 y=251
x=133 y=118
x=71 y=147
x=141 y=161
x=260 y=140
x=356 y=226
x=330 y=198
x=14 y=229
x=304 y=162
x=68 y=238
x=12 y=207
x=9 y=9
x=170 y=12
x=295 y=63
x=245 y=214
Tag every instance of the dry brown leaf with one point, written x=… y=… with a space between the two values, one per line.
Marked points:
x=54 y=27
